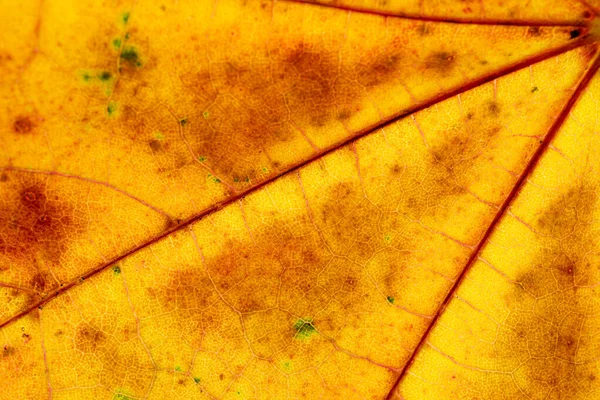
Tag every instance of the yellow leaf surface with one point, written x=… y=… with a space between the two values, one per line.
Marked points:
x=284 y=200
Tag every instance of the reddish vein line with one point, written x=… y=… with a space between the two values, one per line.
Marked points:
x=473 y=21
x=591 y=7
x=366 y=131
x=583 y=83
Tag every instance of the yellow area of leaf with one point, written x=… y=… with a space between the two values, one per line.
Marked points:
x=525 y=320
x=123 y=121
x=269 y=200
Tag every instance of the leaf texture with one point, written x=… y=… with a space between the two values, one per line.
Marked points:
x=289 y=200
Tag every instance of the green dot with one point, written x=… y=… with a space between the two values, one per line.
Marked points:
x=130 y=55
x=201 y=158
x=183 y=121
x=390 y=299
x=125 y=17
x=206 y=114
x=159 y=136
x=304 y=328
x=111 y=108
x=116 y=43
x=104 y=76
x=117 y=270
x=196 y=379
x=177 y=368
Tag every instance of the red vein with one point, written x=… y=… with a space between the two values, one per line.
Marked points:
x=530 y=167
x=358 y=135
x=432 y=18
x=588 y=5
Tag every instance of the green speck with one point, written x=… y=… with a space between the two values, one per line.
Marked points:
x=111 y=108
x=159 y=136
x=390 y=299
x=104 y=76
x=177 y=368
x=236 y=179
x=126 y=35
x=117 y=270
x=183 y=121
x=217 y=180
x=121 y=396
x=130 y=55
x=286 y=365
x=535 y=89
x=265 y=170
x=304 y=328
x=196 y=379
x=247 y=179
x=206 y=114
x=86 y=76
x=125 y=17
x=116 y=43
x=201 y=158
x=387 y=238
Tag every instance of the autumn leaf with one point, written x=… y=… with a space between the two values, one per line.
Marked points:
x=325 y=199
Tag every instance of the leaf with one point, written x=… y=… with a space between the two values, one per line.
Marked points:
x=285 y=200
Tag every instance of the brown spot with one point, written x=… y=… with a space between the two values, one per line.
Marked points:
x=8 y=351
x=378 y=70
x=344 y=114
x=38 y=282
x=3 y=177
x=35 y=227
x=240 y=106
x=89 y=339
x=534 y=31
x=493 y=108
x=442 y=61
x=424 y=30
x=23 y=125
x=156 y=145
x=397 y=169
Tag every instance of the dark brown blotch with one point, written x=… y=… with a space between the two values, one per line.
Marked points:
x=156 y=145
x=37 y=226
x=23 y=124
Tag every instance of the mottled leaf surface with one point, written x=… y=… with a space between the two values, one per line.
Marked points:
x=287 y=200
